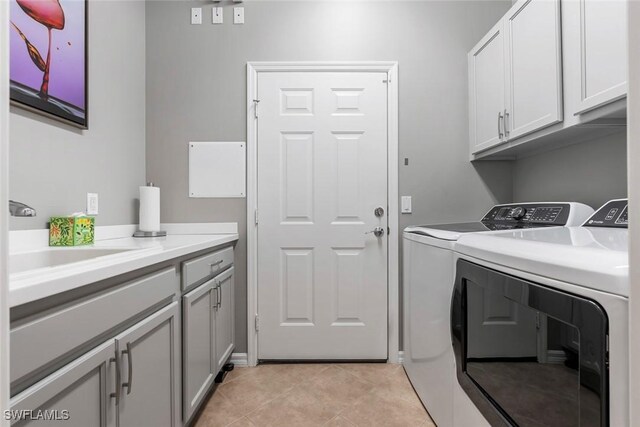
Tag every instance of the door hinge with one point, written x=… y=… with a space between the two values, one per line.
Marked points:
x=255 y=107
x=255 y=215
x=257 y=323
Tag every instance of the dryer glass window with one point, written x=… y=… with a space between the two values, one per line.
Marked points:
x=536 y=355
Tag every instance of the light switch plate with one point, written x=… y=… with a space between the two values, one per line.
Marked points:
x=406 y=204
x=92 y=203
x=217 y=15
x=238 y=15
x=196 y=15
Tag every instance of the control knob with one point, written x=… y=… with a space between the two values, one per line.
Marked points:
x=518 y=213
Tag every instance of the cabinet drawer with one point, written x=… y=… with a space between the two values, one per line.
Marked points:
x=43 y=340
x=195 y=270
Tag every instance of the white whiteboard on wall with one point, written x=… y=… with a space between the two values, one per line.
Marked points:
x=217 y=169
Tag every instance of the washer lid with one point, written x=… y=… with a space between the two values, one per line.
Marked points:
x=447 y=231
x=596 y=258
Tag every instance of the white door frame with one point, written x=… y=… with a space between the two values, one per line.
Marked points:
x=4 y=213
x=633 y=168
x=389 y=67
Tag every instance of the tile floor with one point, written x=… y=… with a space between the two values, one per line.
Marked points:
x=300 y=395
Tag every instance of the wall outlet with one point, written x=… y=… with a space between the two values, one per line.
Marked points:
x=196 y=15
x=405 y=204
x=217 y=14
x=238 y=15
x=92 y=203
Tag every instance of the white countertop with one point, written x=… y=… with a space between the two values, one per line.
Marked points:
x=40 y=283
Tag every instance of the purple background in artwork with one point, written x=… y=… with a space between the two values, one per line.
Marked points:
x=66 y=78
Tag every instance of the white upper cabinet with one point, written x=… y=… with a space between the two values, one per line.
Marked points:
x=603 y=52
x=515 y=75
x=534 y=66
x=545 y=72
x=486 y=91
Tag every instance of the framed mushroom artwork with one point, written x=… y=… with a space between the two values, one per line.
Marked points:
x=48 y=58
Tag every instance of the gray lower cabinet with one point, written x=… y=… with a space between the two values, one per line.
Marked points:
x=149 y=359
x=208 y=337
x=225 y=320
x=78 y=394
x=199 y=367
x=130 y=381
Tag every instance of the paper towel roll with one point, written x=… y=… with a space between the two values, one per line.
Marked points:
x=149 y=208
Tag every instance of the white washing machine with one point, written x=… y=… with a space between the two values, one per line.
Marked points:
x=539 y=325
x=428 y=278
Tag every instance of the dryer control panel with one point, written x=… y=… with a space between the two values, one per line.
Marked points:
x=529 y=214
x=614 y=213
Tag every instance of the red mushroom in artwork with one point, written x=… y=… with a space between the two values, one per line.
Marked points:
x=50 y=14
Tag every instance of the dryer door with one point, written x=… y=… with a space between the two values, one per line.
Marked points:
x=552 y=372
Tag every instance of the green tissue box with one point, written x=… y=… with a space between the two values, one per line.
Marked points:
x=71 y=231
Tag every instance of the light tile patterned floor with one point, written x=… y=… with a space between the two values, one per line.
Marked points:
x=300 y=395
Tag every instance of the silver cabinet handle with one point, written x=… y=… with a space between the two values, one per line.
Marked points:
x=130 y=359
x=215 y=264
x=506 y=126
x=378 y=231
x=219 y=294
x=116 y=394
x=215 y=289
x=500 y=134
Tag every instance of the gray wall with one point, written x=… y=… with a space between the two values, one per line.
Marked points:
x=196 y=90
x=590 y=172
x=53 y=165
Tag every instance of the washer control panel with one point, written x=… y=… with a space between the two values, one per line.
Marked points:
x=614 y=213
x=529 y=214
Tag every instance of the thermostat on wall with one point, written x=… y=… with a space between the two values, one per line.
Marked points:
x=217 y=169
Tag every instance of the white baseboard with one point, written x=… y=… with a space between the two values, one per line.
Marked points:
x=239 y=359
x=556 y=356
x=401 y=357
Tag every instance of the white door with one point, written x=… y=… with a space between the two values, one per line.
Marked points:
x=487 y=91
x=534 y=66
x=322 y=172
x=498 y=327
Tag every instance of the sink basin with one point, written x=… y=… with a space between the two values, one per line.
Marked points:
x=21 y=262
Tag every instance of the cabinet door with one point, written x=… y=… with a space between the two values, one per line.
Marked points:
x=199 y=359
x=603 y=52
x=534 y=66
x=150 y=360
x=78 y=395
x=225 y=323
x=487 y=91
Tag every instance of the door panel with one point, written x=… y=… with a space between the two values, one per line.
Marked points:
x=603 y=58
x=322 y=171
x=225 y=321
x=534 y=65
x=199 y=368
x=496 y=325
x=151 y=369
x=81 y=388
x=487 y=91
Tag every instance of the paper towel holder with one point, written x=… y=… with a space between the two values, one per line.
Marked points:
x=141 y=233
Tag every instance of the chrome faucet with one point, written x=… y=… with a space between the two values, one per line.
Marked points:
x=20 y=209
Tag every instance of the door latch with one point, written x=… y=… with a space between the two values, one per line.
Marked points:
x=378 y=231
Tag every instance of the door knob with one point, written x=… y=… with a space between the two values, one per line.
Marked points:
x=379 y=211
x=378 y=231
